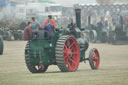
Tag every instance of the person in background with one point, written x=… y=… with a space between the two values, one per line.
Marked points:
x=49 y=20
x=28 y=32
x=101 y=23
x=126 y=20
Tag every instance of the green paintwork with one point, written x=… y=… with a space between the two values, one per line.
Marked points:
x=44 y=50
x=41 y=50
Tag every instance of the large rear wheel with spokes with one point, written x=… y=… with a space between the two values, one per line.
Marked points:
x=67 y=54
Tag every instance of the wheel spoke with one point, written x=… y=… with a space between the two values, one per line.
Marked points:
x=71 y=45
x=68 y=43
x=74 y=53
x=65 y=57
x=94 y=58
x=73 y=49
x=65 y=51
x=67 y=62
x=65 y=47
x=93 y=54
x=69 y=66
x=73 y=62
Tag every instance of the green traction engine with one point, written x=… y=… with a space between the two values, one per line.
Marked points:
x=66 y=49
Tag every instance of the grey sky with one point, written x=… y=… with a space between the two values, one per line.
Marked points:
x=71 y=2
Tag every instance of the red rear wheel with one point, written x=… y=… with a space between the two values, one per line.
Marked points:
x=94 y=58
x=67 y=53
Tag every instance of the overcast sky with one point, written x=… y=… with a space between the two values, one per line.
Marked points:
x=71 y=2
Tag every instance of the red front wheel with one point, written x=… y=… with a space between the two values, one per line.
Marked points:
x=94 y=58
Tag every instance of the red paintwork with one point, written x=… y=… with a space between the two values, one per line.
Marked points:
x=96 y=58
x=71 y=54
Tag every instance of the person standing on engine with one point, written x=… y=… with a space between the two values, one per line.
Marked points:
x=35 y=27
x=49 y=20
x=35 y=24
x=28 y=32
x=50 y=26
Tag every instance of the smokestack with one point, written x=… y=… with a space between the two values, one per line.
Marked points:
x=78 y=17
x=89 y=20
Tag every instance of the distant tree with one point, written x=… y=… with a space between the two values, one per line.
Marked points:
x=110 y=1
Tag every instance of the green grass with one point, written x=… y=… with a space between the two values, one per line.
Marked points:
x=113 y=68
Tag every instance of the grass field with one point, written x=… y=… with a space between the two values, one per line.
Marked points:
x=113 y=68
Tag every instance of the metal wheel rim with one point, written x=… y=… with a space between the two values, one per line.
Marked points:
x=71 y=54
x=96 y=58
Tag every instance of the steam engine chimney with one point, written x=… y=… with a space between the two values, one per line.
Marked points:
x=78 y=17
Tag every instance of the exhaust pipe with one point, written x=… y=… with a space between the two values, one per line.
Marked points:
x=89 y=20
x=78 y=17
